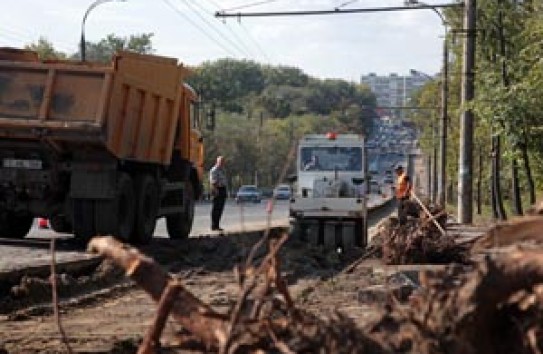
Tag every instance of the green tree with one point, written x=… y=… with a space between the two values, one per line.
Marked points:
x=45 y=49
x=104 y=49
x=228 y=82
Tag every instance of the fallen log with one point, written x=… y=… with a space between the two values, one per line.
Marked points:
x=190 y=312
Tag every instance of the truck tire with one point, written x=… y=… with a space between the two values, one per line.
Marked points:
x=147 y=205
x=180 y=224
x=60 y=223
x=361 y=233
x=116 y=216
x=83 y=219
x=15 y=225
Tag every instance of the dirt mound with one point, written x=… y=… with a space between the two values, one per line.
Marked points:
x=33 y=291
x=495 y=308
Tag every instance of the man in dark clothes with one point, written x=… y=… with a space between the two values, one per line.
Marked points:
x=217 y=180
x=403 y=193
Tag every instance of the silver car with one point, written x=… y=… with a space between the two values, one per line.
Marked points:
x=282 y=191
x=248 y=193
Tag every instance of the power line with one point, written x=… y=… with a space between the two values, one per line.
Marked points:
x=27 y=39
x=336 y=11
x=176 y=10
x=263 y=53
x=255 y=42
x=253 y=4
x=346 y=3
x=232 y=32
x=240 y=49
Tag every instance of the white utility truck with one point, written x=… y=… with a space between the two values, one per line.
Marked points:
x=329 y=204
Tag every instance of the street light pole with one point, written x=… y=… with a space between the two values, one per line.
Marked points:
x=89 y=9
x=433 y=180
x=441 y=178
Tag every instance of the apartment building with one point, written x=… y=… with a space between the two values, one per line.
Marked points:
x=393 y=91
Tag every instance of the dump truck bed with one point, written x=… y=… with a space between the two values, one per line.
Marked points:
x=128 y=108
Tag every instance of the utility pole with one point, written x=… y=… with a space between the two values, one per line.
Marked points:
x=465 y=178
x=442 y=179
x=434 y=165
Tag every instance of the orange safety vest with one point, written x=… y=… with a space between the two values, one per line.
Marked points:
x=404 y=188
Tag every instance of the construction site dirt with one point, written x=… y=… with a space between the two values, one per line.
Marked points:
x=349 y=301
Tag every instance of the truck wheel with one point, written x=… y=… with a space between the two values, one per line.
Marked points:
x=60 y=223
x=83 y=219
x=147 y=205
x=179 y=225
x=116 y=216
x=361 y=233
x=13 y=225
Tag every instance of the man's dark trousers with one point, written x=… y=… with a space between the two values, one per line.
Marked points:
x=218 y=206
x=402 y=210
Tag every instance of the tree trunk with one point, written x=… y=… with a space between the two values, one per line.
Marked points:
x=527 y=168
x=496 y=179
x=517 y=205
x=515 y=198
x=493 y=199
x=479 y=179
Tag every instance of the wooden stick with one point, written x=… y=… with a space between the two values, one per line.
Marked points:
x=53 y=280
x=432 y=218
x=152 y=338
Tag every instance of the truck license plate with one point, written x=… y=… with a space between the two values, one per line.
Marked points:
x=26 y=164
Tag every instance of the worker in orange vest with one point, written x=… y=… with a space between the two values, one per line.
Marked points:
x=403 y=193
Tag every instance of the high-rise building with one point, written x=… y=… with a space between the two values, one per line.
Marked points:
x=393 y=91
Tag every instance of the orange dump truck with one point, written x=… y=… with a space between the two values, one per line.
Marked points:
x=98 y=149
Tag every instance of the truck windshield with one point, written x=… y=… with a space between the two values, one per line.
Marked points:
x=330 y=158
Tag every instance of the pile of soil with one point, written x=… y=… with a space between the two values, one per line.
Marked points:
x=495 y=308
x=33 y=291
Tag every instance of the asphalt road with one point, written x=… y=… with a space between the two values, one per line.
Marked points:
x=34 y=250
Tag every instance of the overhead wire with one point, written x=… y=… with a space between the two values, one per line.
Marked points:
x=345 y=3
x=232 y=32
x=259 y=51
x=221 y=34
x=13 y=40
x=27 y=39
x=247 y=33
x=253 y=4
x=242 y=26
x=192 y=22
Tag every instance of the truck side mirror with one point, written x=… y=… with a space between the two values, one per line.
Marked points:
x=358 y=181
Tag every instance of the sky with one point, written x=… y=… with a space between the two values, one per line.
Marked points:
x=343 y=46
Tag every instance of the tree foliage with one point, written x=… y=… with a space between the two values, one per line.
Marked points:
x=45 y=49
x=508 y=87
x=104 y=49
